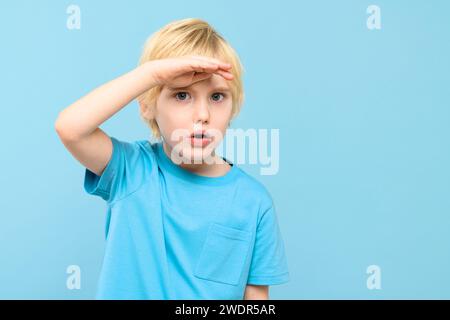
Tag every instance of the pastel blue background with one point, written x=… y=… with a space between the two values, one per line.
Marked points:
x=364 y=124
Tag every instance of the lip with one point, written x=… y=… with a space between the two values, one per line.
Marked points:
x=203 y=132
x=200 y=142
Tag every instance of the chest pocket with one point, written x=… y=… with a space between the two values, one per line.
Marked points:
x=223 y=254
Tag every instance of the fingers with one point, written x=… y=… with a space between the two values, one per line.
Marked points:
x=206 y=65
x=223 y=65
x=203 y=66
x=215 y=65
x=227 y=75
x=201 y=76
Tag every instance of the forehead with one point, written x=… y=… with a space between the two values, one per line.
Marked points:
x=215 y=82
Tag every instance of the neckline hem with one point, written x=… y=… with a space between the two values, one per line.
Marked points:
x=191 y=177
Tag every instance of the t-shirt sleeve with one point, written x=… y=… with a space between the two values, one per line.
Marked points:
x=121 y=175
x=269 y=264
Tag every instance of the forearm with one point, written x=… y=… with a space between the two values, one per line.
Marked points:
x=85 y=115
x=255 y=292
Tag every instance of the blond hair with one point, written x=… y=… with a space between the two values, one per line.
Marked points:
x=189 y=36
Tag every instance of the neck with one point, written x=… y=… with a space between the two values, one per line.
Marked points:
x=218 y=167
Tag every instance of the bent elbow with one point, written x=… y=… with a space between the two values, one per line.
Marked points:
x=63 y=130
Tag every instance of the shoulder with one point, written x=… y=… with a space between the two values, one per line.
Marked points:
x=255 y=190
x=135 y=149
x=136 y=160
x=127 y=170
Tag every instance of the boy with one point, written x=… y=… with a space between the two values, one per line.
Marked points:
x=182 y=222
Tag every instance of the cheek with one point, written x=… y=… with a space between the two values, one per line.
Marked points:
x=172 y=124
x=222 y=115
x=165 y=113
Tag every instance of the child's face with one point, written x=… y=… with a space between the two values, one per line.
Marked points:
x=204 y=105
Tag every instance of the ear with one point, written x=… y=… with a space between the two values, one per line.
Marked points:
x=146 y=111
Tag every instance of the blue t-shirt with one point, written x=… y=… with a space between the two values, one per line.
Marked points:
x=173 y=234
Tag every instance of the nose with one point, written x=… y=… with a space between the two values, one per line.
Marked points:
x=201 y=111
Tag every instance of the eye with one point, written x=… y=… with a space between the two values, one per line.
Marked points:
x=181 y=95
x=217 y=95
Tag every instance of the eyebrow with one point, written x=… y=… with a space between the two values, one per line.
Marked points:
x=220 y=88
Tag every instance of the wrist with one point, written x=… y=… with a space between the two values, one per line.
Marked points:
x=149 y=69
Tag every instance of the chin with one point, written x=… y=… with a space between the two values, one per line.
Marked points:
x=197 y=155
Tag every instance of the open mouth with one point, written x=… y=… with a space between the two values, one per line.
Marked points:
x=200 y=139
x=199 y=136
